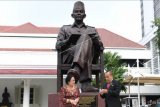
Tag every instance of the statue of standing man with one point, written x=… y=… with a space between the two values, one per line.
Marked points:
x=80 y=46
x=5 y=96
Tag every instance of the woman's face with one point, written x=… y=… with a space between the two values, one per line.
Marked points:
x=72 y=81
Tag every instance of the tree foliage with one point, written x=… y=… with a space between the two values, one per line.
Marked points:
x=156 y=23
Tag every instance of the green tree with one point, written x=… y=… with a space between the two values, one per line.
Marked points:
x=112 y=61
x=156 y=23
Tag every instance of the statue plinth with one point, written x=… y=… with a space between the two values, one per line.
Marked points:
x=87 y=99
x=5 y=105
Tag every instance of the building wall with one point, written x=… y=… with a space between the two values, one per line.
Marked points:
x=154 y=63
x=46 y=86
x=144 y=90
x=147 y=16
x=133 y=53
x=22 y=41
x=10 y=86
x=28 y=58
x=157 y=8
x=24 y=48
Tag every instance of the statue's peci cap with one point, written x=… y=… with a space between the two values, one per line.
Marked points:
x=78 y=5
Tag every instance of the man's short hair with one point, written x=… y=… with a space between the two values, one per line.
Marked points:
x=110 y=72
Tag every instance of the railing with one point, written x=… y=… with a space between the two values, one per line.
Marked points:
x=155 y=65
x=141 y=70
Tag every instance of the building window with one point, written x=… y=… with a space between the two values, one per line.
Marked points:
x=31 y=100
x=34 y=96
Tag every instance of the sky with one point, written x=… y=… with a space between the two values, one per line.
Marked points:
x=119 y=16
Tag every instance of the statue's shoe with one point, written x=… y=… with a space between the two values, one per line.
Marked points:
x=87 y=87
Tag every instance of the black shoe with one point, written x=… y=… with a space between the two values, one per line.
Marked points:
x=87 y=87
x=73 y=72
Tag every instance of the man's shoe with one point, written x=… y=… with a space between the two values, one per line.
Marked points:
x=87 y=87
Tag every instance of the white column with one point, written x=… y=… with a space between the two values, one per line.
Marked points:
x=129 y=72
x=26 y=93
x=138 y=93
x=143 y=99
x=152 y=64
x=158 y=63
x=138 y=83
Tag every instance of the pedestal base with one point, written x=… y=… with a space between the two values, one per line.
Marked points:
x=5 y=105
x=87 y=99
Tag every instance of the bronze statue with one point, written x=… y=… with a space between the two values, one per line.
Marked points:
x=5 y=96
x=80 y=46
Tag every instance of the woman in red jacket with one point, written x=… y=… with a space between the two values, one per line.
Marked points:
x=69 y=94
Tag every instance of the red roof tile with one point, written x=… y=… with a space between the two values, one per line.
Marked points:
x=25 y=28
x=108 y=38
x=111 y=39
x=2 y=28
x=51 y=30
x=29 y=71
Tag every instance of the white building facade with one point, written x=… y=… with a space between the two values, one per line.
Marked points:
x=150 y=10
x=28 y=61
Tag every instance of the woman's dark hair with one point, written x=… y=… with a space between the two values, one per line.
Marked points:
x=68 y=78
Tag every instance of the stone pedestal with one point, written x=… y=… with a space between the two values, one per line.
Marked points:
x=86 y=100
x=5 y=105
x=53 y=100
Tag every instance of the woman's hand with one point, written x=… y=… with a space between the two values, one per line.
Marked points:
x=73 y=102
x=77 y=100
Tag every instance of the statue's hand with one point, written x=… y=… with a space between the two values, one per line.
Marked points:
x=58 y=47
x=62 y=44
